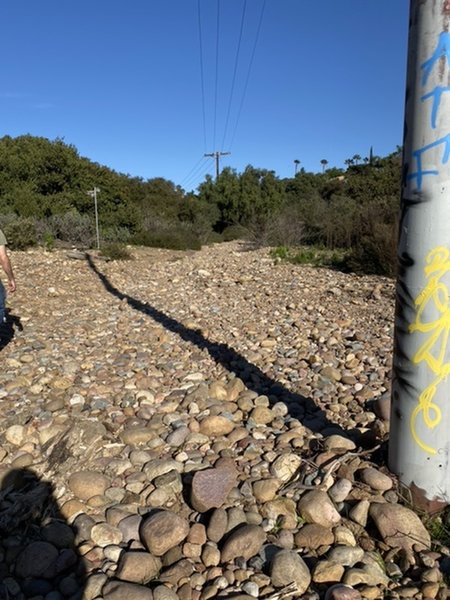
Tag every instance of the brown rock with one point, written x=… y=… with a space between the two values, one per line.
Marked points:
x=245 y=541
x=197 y=534
x=327 y=571
x=217 y=525
x=211 y=487
x=313 y=536
x=262 y=415
x=316 y=507
x=138 y=567
x=136 y=436
x=180 y=570
x=288 y=567
x=216 y=425
x=37 y=560
x=281 y=507
x=266 y=489
x=342 y=592
x=399 y=526
x=119 y=590
x=378 y=481
x=163 y=530
x=86 y=484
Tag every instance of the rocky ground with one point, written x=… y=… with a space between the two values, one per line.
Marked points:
x=201 y=425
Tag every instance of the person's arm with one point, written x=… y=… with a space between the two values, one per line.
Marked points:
x=6 y=265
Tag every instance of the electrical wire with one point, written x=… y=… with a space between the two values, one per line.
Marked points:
x=217 y=72
x=202 y=76
x=195 y=174
x=236 y=61
x=197 y=164
x=199 y=179
x=248 y=72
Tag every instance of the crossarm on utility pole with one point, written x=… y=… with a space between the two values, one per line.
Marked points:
x=217 y=156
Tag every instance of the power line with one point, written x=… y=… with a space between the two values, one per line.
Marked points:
x=195 y=173
x=202 y=74
x=192 y=170
x=234 y=74
x=201 y=176
x=248 y=72
x=217 y=71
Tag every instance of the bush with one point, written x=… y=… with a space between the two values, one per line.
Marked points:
x=21 y=233
x=214 y=238
x=172 y=239
x=234 y=232
x=287 y=228
x=115 y=251
x=282 y=253
x=312 y=255
x=376 y=252
x=48 y=241
x=120 y=235
x=282 y=228
x=74 y=228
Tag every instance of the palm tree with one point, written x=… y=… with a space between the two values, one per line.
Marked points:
x=356 y=158
x=349 y=162
x=324 y=163
x=296 y=163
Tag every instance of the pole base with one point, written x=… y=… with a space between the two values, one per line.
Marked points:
x=420 y=501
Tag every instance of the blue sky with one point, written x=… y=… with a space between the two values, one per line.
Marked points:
x=122 y=81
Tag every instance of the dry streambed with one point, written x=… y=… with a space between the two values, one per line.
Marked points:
x=202 y=425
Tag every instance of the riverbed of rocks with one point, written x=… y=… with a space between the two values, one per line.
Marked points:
x=202 y=425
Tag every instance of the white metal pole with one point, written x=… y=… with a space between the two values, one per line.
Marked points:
x=419 y=446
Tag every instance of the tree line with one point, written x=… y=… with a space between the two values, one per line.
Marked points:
x=44 y=198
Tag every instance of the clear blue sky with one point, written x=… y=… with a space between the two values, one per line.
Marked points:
x=122 y=81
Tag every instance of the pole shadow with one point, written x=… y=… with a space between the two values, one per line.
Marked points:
x=300 y=407
x=37 y=546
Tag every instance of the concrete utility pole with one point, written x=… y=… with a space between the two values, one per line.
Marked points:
x=217 y=156
x=94 y=193
x=419 y=448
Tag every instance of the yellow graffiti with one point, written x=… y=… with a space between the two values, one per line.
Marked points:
x=433 y=350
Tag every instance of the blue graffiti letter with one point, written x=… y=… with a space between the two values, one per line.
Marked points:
x=436 y=94
x=442 y=49
x=420 y=173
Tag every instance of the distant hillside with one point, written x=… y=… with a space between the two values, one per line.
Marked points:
x=44 y=198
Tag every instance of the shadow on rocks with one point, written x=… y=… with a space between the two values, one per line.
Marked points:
x=300 y=407
x=37 y=547
x=7 y=330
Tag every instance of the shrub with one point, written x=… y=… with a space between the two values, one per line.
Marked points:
x=48 y=241
x=282 y=252
x=74 y=228
x=21 y=233
x=214 y=238
x=172 y=239
x=376 y=252
x=115 y=251
x=234 y=232
x=312 y=255
x=121 y=235
x=287 y=228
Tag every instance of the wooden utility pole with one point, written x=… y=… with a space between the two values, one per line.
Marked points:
x=217 y=156
x=94 y=193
